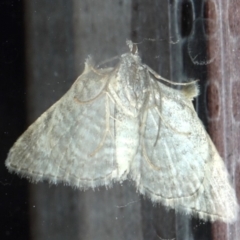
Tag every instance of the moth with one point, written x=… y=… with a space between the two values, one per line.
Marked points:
x=126 y=122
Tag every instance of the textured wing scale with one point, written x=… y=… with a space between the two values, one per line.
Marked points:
x=72 y=141
x=174 y=147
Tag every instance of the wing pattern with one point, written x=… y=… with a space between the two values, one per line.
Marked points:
x=121 y=122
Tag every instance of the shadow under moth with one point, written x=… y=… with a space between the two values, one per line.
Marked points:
x=121 y=123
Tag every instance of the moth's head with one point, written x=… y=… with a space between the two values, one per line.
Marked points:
x=132 y=47
x=131 y=58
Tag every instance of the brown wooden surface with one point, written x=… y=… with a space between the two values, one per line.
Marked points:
x=222 y=93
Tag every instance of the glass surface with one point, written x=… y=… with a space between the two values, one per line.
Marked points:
x=44 y=48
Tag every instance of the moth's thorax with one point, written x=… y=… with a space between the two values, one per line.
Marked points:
x=131 y=82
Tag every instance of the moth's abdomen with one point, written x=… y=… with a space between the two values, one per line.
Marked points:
x=127 y=142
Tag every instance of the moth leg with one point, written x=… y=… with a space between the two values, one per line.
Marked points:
x=156 y=75
x=158 y=125
x=169 y=126
x=89 y=101
x=144 y=152
x=107 y=129
x=148 y=159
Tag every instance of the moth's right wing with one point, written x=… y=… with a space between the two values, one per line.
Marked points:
x=177 y=163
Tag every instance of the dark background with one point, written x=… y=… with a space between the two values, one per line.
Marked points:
x=13 y=190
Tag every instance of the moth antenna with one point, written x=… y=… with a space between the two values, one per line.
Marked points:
x=106 y=61
x=132 y=47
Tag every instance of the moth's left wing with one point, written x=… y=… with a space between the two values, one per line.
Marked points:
x=72 y=142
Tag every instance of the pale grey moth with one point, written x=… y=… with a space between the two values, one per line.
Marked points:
x=121 y=123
